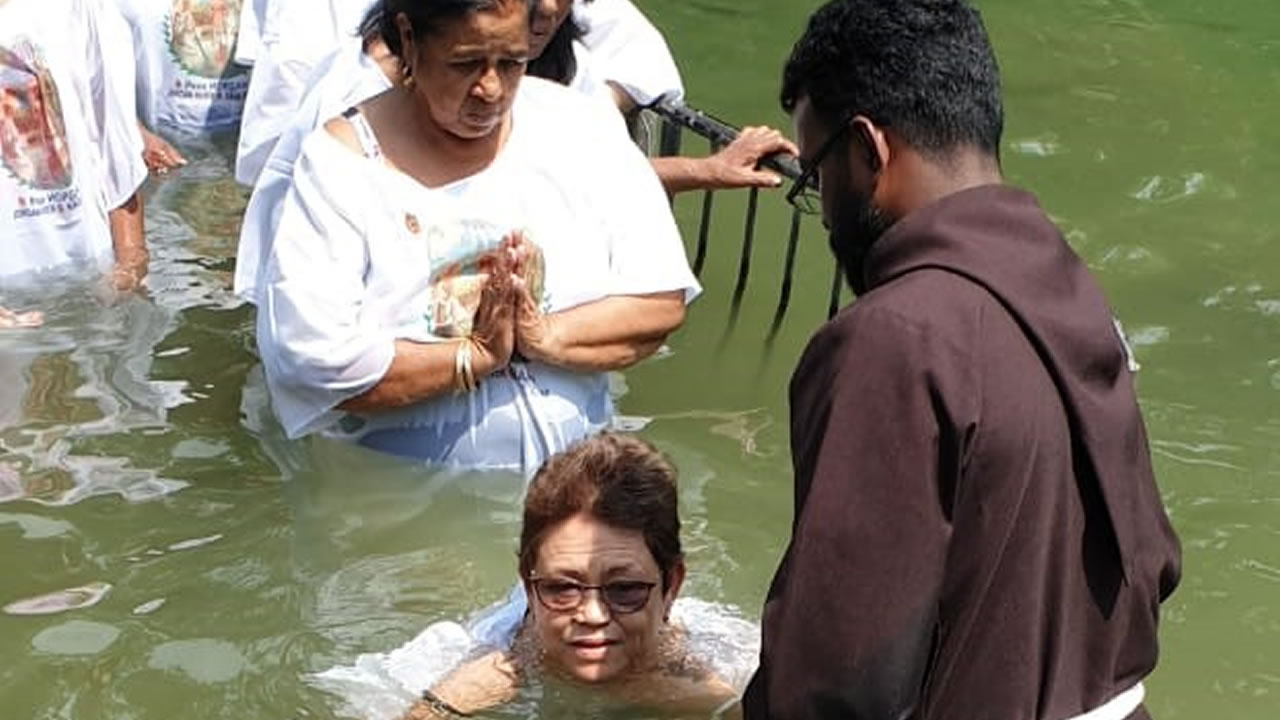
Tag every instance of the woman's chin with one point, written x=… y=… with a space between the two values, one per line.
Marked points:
x=593 y=673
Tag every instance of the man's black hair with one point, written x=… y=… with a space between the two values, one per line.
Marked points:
x=923 y=67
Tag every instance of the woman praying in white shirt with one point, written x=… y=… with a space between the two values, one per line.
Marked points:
x=462 y=257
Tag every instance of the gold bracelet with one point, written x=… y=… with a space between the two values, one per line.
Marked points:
x=468 y=373
x=459 y=376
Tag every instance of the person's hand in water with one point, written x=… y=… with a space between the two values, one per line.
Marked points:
x=736 y=164
x=493 y=329
x=159 y=156
x=14 y=320
x=482 y=683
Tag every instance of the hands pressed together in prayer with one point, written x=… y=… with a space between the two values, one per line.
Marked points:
x=508 y=319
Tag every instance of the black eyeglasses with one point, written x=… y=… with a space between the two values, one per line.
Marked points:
x=803 y=195
x=621 y=596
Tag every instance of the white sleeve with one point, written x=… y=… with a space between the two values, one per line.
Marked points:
x=646 y=252
x=113 y=126
x=275 y=90
x=249 y=38
x=318 y=348
x=629 y=50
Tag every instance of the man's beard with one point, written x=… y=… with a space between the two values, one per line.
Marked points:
x=854 y=229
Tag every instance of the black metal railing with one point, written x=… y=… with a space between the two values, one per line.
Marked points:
x=674 y=119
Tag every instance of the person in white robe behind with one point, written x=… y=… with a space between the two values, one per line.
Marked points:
x=295 y=36
x=629 y=50
x=461 y=258
x=70 y=151
x=189 y=84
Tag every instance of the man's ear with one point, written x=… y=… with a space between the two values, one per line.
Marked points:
x=874 y=142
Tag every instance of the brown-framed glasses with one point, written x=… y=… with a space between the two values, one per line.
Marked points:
x=803 y=194
x=622 y=597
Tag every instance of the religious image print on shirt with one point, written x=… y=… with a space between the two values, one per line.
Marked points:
x=459 y=253
x=33 y=135
x=201 y=35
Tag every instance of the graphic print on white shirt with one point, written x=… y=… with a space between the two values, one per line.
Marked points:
x=34 y=150
x=457 y=253
x=188 y=79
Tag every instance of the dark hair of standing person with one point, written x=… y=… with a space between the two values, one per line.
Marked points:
x=619 y=480
x=557 y=62
x=426 y=17
x=922 y=67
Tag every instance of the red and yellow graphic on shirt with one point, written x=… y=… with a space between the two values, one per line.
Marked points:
x=33 y=133
x=202 y=36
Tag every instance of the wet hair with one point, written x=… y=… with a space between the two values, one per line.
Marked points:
x=425 y=17
x=923 y=67
x=620 y=480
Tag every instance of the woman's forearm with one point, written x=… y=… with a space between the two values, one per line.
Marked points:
x=682 y=174
x=129 y=243
x=612 y=333
x=419 y=371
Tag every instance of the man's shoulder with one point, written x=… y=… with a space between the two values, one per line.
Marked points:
x=932 y=301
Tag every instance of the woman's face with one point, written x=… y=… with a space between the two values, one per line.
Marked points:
x=466 y=74
x=593 y=642
x=544 y=21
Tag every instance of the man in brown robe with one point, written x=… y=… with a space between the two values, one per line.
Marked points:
x=977 y=533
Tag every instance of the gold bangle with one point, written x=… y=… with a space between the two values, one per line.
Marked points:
x=468 y=373
x=459 y=376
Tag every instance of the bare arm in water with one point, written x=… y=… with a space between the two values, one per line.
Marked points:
x=492 y=680
x=130 y=244
x=483 y=683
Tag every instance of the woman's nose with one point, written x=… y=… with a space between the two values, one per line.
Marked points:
x=489 y=87
x=593 y=610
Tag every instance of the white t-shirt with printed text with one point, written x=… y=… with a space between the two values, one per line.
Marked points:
x=70 y=150
x=188 y=80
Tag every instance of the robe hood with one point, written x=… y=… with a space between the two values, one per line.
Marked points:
x=999 y=237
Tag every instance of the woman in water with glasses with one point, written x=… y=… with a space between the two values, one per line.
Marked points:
x=601 y=564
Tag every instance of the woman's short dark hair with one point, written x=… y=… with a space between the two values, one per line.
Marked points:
x=922 y=67
x=617 y=479
x=425 y=17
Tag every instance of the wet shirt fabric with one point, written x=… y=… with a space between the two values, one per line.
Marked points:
x=362 y=252
x=70 y=150
x=345 y=78
x=977 y=532
x=188 y=80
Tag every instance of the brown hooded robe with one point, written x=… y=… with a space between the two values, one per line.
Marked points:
x=978 y=534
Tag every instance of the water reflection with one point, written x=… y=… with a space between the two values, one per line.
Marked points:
x=82 y=377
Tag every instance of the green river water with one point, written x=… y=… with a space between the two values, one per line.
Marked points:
x=133 y=450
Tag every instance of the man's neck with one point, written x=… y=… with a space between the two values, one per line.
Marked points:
x=927 y=179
